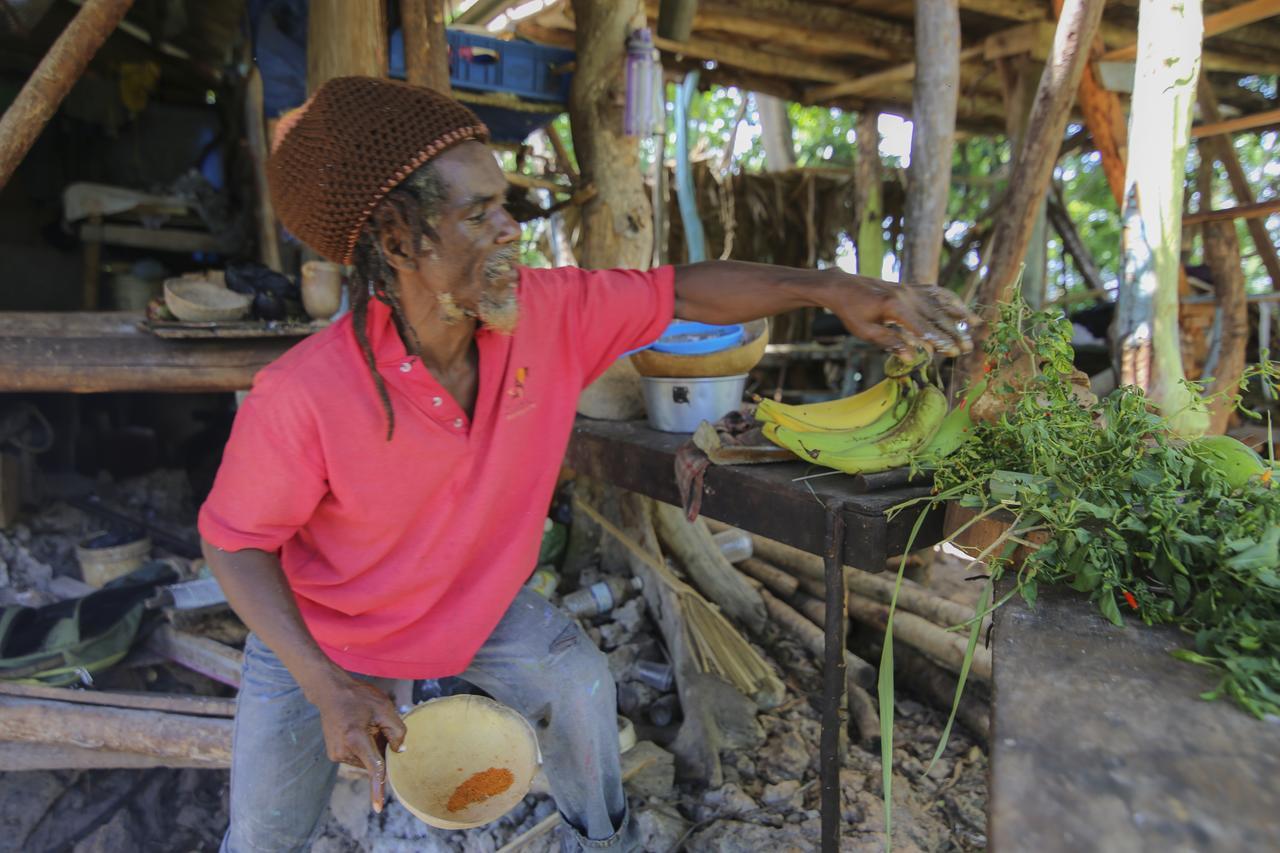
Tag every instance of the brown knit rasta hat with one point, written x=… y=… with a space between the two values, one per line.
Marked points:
x=339 y=154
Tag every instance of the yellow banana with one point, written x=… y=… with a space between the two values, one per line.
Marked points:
x=856 y=455
x=956 y=426
x=848 y=413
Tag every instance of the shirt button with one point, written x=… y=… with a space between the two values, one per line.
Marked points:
x=457 y=422
x=406 y=367
x=436 y=401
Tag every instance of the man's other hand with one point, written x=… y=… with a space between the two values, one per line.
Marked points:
x=357 y=718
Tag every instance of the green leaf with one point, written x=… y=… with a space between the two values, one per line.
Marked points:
x=1028 y=590
x=1107 y=604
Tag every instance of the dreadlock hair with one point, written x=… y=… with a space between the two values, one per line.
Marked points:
x=418 y=200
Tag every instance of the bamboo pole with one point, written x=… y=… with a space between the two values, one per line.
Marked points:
x=53 y=78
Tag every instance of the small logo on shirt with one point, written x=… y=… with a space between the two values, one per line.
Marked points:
x=517 y=390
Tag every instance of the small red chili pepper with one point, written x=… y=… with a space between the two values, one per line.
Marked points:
x=1128 y=596
x=988 y=367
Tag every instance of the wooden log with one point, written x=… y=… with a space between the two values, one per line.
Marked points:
x=947 y=649
x=763 y=62
x=160 y=239
x=206 y=740
x=780 y=31
x=16 y=757
x=870 y=84
x=859 y=675
x=868 y=35
x=933 y=113
x=1033 y=169
x=345 y=37
x=199 y=654
x=53 y=78
x=702 y=559
x=1257 y=210
x=1225 y=363
x=918 y=673
x=426 y=49
x=776 y=580
x=200 y=706
x=1225 y=153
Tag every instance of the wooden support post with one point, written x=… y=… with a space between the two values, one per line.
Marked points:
x=1145 y=334
x=1257 y=210
x=617 y=223
x=426 y=48
x=1033 y=169
x=345 y=37
x=1254 y=121
x=1221 y=149
x=833 y=679
x=933 y=113
x=53 y=78
x=868 y=203
x=775 y=133
x=1225 y=362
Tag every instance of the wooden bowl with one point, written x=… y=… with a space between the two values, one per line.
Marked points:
x=195 y=300
x=729 y=362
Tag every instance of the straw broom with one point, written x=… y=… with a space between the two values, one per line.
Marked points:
x=715 y=645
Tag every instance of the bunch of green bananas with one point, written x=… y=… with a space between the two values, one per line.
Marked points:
x=883 y=427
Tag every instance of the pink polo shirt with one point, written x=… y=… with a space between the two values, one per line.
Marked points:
x=403 y=555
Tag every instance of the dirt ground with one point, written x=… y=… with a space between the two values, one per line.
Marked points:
x=769 y=800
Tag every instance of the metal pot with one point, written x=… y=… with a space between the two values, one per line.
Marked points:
x=679 y=405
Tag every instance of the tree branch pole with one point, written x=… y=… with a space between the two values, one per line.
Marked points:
x=345 y=37
x=426 y=48
x=53 y=78
x=1227 y=352
x=1029 y=181
x=1145 y=333
x=868 y=204
x=933 y=113
x=1072 y=242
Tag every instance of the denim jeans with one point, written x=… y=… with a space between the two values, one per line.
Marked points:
x=537 y=661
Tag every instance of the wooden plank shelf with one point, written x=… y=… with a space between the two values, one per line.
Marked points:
x=90 y=352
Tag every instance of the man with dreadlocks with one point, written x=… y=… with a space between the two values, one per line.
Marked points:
x=382 y=496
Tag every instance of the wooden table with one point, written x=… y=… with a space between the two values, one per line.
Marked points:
x=1100 y=741
x=765 y=499
x=96 y=351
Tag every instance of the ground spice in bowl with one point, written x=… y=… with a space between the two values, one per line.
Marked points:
x=480 y=787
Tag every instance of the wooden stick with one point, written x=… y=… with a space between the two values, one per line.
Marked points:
x=869 y=83
x=200 y=654
x=776 y=580
x=426 y=48
x=1237 y=124
x=810 y=636
x=256 y=136
x=178 y=736
x=16 y=757
x=53 y=78
x=1240 y=211
x=200 y=706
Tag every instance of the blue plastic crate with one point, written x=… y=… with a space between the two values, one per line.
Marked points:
x=485 y=64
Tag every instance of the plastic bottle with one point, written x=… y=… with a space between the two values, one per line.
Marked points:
x=734 y=544
x=637 y=119
x=601 y=597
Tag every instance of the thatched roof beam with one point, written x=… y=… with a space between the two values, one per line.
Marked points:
x=1013 y=10
x=848 y=33
x=762 y=62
